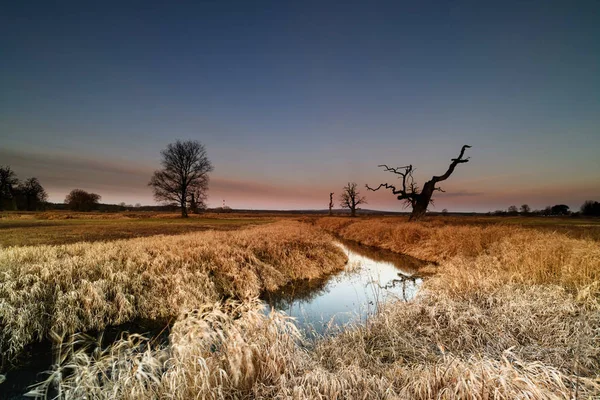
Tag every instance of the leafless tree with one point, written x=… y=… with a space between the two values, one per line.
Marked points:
x=198 y=199
x=419 y=200
x=8 y=181
x=351 y=198
x=80 y=200
x=525 y=209
x=185 y=173
x=32 y=194
x=331 y=203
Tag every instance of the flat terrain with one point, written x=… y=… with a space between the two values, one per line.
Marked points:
x=510 y=307
x=33 y=229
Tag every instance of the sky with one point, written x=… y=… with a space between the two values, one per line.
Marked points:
x=295 y=99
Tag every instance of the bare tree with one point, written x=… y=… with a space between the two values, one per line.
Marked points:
x=590 y=207
x=525 y=209
x=31 y=195
x=198 y=199
x=331 y=203
x=80 y=200
x=185 y=173
x=8 y=182
x=351 y=198
x=409 y=192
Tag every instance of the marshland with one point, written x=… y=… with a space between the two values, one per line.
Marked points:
x=503 y=311
x=236 y=200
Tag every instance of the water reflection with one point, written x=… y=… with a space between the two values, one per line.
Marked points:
x=371 y=277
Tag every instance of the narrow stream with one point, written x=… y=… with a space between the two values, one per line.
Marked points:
x=371 y=277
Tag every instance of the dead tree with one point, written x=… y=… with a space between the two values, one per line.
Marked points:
x=409 y=192
x=351 y=198
x=331 y=203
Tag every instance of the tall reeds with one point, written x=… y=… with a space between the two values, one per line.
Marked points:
x=88 y=286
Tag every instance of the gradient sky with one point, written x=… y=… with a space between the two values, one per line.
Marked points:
x=294 y=99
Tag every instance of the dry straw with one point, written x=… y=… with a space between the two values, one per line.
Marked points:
x=510 y=314
x=88 y=286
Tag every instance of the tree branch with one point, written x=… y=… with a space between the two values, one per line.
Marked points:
x=455 y=162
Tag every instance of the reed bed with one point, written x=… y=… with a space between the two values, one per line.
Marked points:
x=503 y=253
x=435 y=347
x=88 y=286
x=510 y=313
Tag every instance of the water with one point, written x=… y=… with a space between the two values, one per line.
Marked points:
x=371 y=277
x=38 y=357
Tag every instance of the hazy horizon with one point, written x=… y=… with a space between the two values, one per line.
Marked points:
x=295 y=100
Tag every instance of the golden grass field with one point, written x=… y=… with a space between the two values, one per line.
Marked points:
x=29 y=229
x=508 y=311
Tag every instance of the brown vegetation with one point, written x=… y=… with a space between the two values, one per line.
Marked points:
x=29 y=229
x=87 y=286
x=510 y=313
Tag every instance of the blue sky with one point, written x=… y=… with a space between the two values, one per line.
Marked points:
x=294 y=99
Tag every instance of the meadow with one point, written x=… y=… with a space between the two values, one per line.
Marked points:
x=62 y=227
x=509 y=309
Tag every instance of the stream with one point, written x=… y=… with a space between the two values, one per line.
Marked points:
x=371 y=277
x=322 y=306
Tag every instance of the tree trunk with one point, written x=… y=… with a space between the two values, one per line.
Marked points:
x=184 y=213
x=193 y=205
x=419 y=210
x=422 y=201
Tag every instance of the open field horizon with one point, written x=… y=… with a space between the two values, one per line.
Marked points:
x=300 y=200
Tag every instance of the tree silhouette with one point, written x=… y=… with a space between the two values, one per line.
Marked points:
x=184 y=177
x=8 y=181
x=525 y=209
x=560 y=209
x=351 y=198
x=80 y=200
x=590 y=207
x=331 y=203
x=31 y=195
x=409 y=192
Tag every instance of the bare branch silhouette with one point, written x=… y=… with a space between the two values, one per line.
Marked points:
x=410 y=193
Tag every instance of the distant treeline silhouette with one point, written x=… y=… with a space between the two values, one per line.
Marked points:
x=589 y=208
x=20 y=195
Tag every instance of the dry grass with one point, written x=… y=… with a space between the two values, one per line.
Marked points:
x=215 y=352
x=435 y=347
x=87 y=286
x=511 y=313
x=35 y=229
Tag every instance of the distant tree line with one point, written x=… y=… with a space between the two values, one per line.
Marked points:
x=589 y=208
x=27 y=195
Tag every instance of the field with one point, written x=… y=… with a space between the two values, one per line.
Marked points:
x=29 y=229
x=510 y=308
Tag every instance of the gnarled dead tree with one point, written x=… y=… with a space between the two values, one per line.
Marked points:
x=409 y=192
